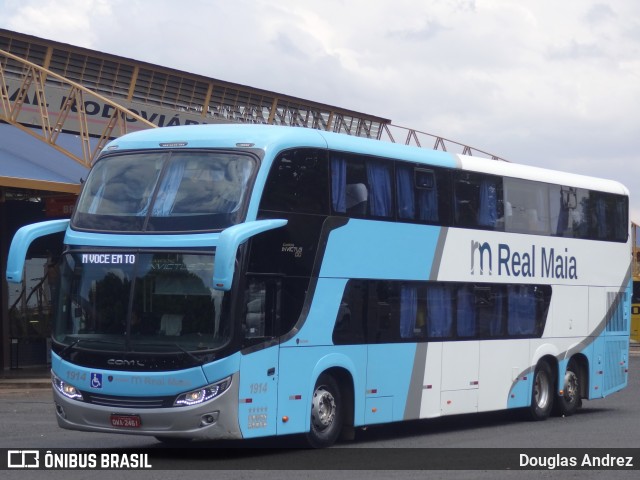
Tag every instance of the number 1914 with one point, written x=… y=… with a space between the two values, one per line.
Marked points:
x=258 y=388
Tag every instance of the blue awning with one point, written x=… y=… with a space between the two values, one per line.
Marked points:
x=26 y=162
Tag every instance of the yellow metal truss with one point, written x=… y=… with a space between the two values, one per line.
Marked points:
x=33 y=81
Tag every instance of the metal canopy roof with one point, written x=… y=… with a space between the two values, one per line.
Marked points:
x=25 y=163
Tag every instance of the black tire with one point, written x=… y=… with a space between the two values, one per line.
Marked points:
x=326 y=413
x=542 y=392
x=568 y=403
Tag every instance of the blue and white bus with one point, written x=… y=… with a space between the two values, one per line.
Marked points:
x=238 y=281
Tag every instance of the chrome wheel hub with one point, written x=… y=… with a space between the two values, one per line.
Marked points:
x=323 y=408
x=570 y=386
x=541 y=391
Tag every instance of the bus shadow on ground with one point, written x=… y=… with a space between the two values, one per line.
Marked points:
x=364 y=437
x=370 y=449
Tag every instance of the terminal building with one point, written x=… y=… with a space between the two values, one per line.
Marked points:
x=60 y=104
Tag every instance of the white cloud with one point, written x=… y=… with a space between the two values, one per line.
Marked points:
x=549 y=83
x=68 y=21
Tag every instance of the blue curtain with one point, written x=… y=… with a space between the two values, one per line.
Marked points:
x=339 y=184
x=408 y=310
x=379 y=178
x=522 y=310
x=495 y=318
x=406 y=204
x=428 y=204
x=488 y=212
x=169 y=189
x=439 y=311
x=466 y=312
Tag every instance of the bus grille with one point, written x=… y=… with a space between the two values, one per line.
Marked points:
x=617 y=308
x=615 y=352
x=128 y=402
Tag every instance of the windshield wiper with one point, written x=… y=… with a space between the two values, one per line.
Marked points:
x=73 y=344
x=68 y=348
x=196 y=361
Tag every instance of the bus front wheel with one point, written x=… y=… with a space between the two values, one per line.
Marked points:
x=326 y=413
x=542 y=392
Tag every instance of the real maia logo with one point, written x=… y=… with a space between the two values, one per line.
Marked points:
x=535 y=261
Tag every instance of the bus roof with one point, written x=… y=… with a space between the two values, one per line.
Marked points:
x=274 y=138
x=516 y=170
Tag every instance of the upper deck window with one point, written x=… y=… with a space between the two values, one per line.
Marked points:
x=165 y=191
x=298 y=182
x=361 y=186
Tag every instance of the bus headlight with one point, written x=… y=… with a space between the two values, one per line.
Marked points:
x=65 y=388
x=204 y=394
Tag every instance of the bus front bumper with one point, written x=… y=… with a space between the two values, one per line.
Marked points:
x=212 y=420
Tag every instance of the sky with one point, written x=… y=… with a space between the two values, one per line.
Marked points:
x=550 y=83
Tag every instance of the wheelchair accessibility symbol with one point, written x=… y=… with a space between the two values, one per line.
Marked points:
x=96 y=380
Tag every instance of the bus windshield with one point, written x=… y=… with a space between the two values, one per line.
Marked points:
x=141 y=302
x=165 y=191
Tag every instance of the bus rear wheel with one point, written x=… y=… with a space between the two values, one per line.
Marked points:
x=326 y=413
x=542 y=392
x=569 y=401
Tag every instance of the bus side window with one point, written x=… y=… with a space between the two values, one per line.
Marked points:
x=297 y=182
x=384 y=308
x=361 y=186
x=388 y=311
x=579 y=218
x=523 y=311
x=490 y=310
x=439 y=311
x=478 y=201
x=417 y=192
x=465 y=312
x=527 y=207
x=351 y=318
x=292 y=298
x=606 y=221
x=262 y=309
x=561 y=200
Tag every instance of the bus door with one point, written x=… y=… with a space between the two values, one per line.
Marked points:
x=258 y=394
x=390 y=353
x=459 y=377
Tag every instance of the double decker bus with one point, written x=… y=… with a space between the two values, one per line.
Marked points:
x=238 y=281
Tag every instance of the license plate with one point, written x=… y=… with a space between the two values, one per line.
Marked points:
x=126 y=421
